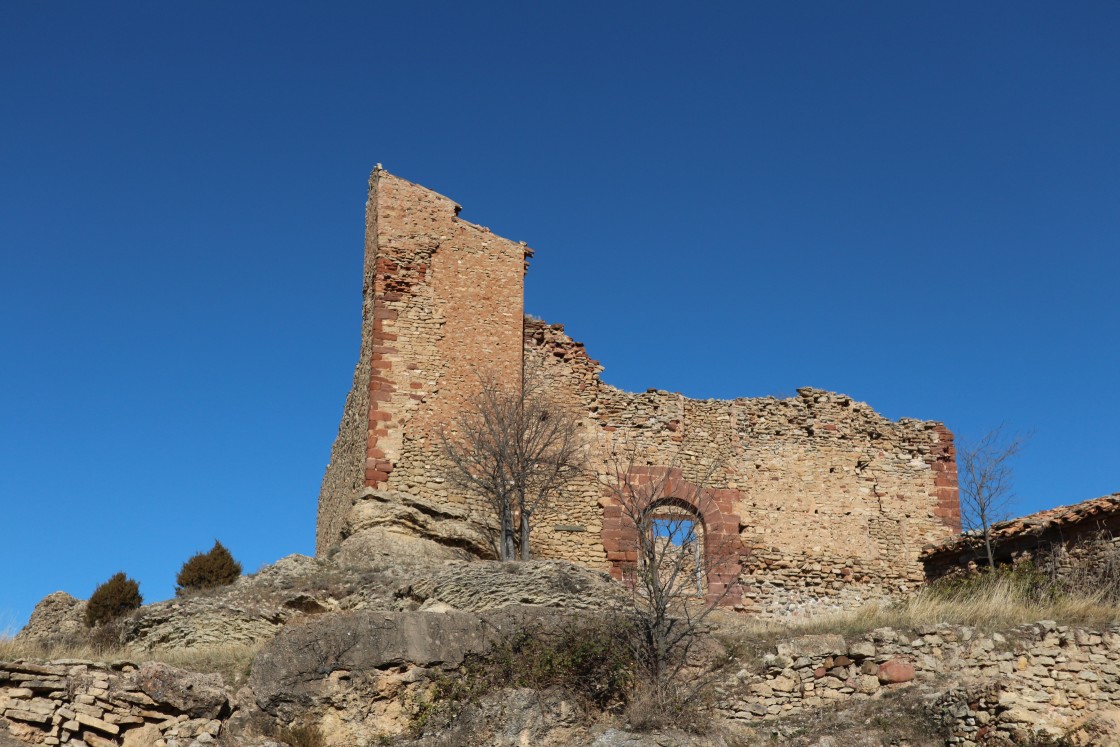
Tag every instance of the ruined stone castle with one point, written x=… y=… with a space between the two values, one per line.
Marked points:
x=827 y=502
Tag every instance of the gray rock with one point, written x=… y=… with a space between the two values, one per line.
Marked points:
x=488 y=585
x=57 y=619
x=197 y=695
x=290 y=673
x=814 y=645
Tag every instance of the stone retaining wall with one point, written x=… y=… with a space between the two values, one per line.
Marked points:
x=1041 y=680
x=94 y=704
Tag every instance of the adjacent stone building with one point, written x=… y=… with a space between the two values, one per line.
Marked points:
x=1080 y=535
x=824 y=501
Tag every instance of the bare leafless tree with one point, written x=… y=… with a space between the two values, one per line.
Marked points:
x=986 y=481
x=515 y=447
x=681 y=568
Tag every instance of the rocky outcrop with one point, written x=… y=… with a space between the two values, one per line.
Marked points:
x=359 y=677
x=384 y=526
x=493 y=585
x=58 y=618
x=310 y=665
x=514 y=717
x=255 y=608
x=247 y=612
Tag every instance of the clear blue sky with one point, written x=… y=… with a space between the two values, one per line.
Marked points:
x=912 y=203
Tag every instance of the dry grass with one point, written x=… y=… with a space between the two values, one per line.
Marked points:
x=998 y=602
x=230 y=661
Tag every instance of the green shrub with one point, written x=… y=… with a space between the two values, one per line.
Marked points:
x=591 y=659
x=117 y=596
x=208 y=570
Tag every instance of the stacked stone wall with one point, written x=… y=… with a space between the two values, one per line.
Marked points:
x=1071 y=552
x=345 y=474
x=1035 y=682
x=833 y=502
x=92 y=704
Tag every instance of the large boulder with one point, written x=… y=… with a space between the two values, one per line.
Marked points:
x=300 y=668
x=401 y=528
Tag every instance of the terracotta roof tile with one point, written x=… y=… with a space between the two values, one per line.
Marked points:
x=1032 y=524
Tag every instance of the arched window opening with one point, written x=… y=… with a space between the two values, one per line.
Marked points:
x=676 y=544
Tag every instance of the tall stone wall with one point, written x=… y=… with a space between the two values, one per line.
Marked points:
x=442 y=303
x=822 y=500
x=831 y=501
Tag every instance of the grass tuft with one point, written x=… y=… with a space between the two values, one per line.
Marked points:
x=232 y=661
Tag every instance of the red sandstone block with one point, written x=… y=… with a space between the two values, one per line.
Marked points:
x=376 y=476
x=380 y=416
x=380 y=363
x=941 y=480
x=380 y=396
x=894 y=671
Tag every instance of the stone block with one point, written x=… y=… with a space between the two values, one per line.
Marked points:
x=895 y=671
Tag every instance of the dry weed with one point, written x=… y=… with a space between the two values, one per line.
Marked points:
x=232 y=661
x=997 y=603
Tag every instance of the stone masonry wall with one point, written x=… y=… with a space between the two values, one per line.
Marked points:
x=825 y=502
x=345 y=474
x=832 y=502
x=442 y=304
x=1079 y=542
x=97 y=704
x=1034 y=682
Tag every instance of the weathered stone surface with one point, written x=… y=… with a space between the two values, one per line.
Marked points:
x=393 y=527
x=895 y=671
x=492 y=585
x=292 y=672
x=248 y=611
x=1100 y=728
x=197 y=695
x=814 y=645
x=7 y=740
x=861 y=649
x=866 y=683
x=57 y=618
x=254 y=608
